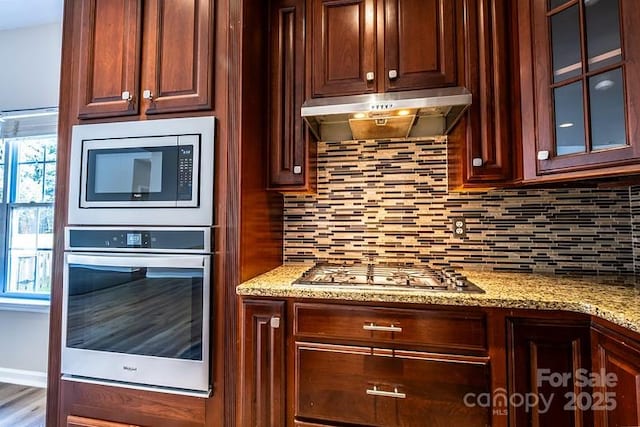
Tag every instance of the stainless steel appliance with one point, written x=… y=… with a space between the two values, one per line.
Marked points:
x=387 y=276
x=414 y=113
x=154 y=172
x=136 y=307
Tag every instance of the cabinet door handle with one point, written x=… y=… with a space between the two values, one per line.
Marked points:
x=147 y=94
x=543 y=155
x=477 y=162
x=374 y=327
x=370 y=76
x=126 y=96
x=274 y=322
x=393 y=74
x=395 y=393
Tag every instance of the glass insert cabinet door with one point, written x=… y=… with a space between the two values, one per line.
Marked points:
x=586 y=55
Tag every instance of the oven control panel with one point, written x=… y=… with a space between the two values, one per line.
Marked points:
x=143 y=240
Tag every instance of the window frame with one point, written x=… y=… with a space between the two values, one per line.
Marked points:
x=7 y=203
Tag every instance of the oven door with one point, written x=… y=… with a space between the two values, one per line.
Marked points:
x=141 y=319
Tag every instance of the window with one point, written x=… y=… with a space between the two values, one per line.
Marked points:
x=27 y=187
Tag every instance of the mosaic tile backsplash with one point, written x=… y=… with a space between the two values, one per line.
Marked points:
x=389 y=200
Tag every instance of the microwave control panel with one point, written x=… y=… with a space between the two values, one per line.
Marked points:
x=185 y=172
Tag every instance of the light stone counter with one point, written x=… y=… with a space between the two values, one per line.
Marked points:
x=617 y=304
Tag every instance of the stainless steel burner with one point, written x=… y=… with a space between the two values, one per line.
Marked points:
x=387 y=276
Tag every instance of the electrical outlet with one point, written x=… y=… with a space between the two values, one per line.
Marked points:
x=459 y=226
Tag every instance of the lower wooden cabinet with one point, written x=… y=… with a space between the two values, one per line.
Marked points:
x=73 y=421
x=329 y=364
x=382 y=387
x=262 y=364
x=545 y=357
x=616 y=358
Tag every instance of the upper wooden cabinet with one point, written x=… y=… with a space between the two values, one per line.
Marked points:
x=579 y=63
x=150 y=57
x=291 y=151
x=365 y=46
x=480 y=147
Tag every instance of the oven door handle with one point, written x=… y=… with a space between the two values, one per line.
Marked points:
x=176 y=261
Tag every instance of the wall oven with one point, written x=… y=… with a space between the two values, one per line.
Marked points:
x=153 y=172
x=136 y=307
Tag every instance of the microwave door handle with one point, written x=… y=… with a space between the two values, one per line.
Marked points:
x=146 y=261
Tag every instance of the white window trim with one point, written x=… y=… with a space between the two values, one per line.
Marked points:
x=24 y=304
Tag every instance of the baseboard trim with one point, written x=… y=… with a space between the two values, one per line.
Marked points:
x=22 y=377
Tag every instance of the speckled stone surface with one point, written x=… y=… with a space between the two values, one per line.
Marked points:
x=617 y=304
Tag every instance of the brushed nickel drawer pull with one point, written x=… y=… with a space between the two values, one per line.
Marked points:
x=395 y=393
x=374 y=327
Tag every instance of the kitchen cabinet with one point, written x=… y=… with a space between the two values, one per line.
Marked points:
x=540 y=350
x=366 y=46
x=579 y=90
x=262 y=388
x=291 y=150
x=481 y=147
x=144 y=57
x=73 y=421
x=616 y=357
x=377 y=366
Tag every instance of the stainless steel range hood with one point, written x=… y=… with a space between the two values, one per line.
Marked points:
x=417 y=113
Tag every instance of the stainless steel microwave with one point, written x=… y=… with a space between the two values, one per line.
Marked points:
x=155 y=172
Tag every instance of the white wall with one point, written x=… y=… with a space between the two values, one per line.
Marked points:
x=30 y=71
x=29 y=78
x=24 y=341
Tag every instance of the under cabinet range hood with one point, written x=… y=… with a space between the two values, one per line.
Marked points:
x=416 y=113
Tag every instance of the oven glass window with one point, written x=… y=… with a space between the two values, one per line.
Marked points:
x=144 y=311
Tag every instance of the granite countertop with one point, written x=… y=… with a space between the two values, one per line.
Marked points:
x=617 y=304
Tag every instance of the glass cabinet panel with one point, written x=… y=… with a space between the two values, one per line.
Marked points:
x=607 y=110
x=565 y=36
x=603 y=33
x=569 y=119
x=555 y=3
x=588 y=95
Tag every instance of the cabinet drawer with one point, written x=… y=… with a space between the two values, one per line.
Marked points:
x=434 y=329
x=373 y=387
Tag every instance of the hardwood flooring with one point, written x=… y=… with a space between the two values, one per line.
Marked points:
x=22 y=406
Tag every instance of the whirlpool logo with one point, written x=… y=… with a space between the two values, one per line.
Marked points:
x=129 y=368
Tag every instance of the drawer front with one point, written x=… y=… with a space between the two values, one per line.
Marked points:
x=373 y=387
x=437 y=329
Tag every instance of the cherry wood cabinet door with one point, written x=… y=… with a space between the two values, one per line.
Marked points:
x=618 y=391
x=262 y=387
x=419 y=44
x=109 y=58
x=287 y=137
x=539 y=352
x=342 y=40
x=383 y=387
x=178 y=55
x=73 y=421
x=579 y=64
x=480 y=147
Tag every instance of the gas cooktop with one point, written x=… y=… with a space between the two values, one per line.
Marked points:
x=386 y=276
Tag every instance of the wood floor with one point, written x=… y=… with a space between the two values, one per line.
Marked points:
x=21 y=406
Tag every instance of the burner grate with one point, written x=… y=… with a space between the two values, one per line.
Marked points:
x=386 y=276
